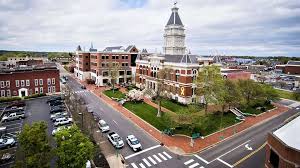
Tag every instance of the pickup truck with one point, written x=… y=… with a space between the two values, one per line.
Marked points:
x=12 y=116
x=115 y=140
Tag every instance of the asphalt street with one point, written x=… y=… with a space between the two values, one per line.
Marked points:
x=229 y=153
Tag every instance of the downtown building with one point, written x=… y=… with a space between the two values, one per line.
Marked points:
x=184 y=66
x=28 y=80
x=95 y=65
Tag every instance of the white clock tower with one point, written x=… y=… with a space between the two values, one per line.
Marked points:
x=174 y=37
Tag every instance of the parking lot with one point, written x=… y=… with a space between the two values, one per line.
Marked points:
x=35 y=110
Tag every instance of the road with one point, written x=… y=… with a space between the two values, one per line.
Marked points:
x=229 y=153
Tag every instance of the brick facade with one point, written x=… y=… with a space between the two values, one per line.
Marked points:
x=29 y=81
x=287 y=157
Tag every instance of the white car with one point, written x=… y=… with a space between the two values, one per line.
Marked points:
x=55 y=130
x=115 y=140
x=103 y=126
x=134 y=143
x=54 y=116
x=63 y=121
x=7 y=142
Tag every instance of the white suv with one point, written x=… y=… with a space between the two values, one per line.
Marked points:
x=103 y=126
x=134 y=143
x=63 y=121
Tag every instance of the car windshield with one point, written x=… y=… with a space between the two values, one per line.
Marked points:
x=135 y=142
x=118 y=139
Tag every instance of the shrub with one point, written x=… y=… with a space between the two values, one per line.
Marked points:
x=35 y=95
x=8 y=99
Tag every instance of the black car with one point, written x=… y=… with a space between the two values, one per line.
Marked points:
x=62 y=106
x=55 y=103
x=56 y=110
x=54 y=98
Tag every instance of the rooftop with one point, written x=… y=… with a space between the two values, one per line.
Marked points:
x=287 y=134
x=29 y=68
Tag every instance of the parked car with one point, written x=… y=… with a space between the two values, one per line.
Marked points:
x=55 y=115
x=12 y=116
x=7 y=143
x=6 y=158
x=55 y=130
x=103 y=126
x=55 y=103
x=56 y=110
x=115 y=140
x=83 y=87
x=17 y=103
x=54 y=98
x=58 y=106
x=63 y=121
x=134 y=143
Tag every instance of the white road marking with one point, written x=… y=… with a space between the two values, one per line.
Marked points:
x=188 y=162
x=142 y=166
x=145 y=150
x=201 y=167
x=194 y=165
x=147 y=163
x=162 y=156
x=227 y=164
x=152 y=160
x=232 y=150
x=115 y=122
x=170 y=157
x=133 y=165
x=203 y=160
x=158 y=159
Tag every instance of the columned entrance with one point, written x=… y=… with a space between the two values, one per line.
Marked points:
x=23 y=92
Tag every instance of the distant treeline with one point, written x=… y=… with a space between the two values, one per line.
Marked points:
x=4 y=55
x=280 y=59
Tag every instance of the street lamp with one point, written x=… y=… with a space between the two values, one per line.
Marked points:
x=81 y=114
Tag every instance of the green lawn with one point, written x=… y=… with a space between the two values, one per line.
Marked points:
x=205 y=124
x=177 y=107
x=115 y=94
x=285 y=94
x=147 y=113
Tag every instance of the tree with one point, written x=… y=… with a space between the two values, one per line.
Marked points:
x=35 y=145
x=74 y=149
x=210 y=85
x=113 y=70
x=160 y=90
x=233 y=95
x=249 y=89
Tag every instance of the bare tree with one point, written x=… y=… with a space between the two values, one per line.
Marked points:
x=159 y=91
x=113 y=69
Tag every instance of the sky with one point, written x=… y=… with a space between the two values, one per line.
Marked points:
x=235 y=27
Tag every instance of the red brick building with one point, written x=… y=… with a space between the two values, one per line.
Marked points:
x=25 y=81
x=292 y=68
x=95 y=64
x=283 y=146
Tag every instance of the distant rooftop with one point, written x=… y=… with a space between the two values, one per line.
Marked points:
x=288 y=133
x=29 y=68
x=293 y=63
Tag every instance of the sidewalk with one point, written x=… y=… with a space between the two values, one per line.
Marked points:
x=182 y=144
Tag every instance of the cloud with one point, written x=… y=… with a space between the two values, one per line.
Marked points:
x=238 y=27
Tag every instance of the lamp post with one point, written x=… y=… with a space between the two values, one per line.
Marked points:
x=81 y=114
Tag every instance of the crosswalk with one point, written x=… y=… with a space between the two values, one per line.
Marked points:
x=152 y=160
x=192 y=164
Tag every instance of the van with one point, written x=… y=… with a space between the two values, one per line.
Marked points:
x=103 y=126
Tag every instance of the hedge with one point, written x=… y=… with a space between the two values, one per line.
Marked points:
x=8 y=99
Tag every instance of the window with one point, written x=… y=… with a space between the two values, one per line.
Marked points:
x=103 y=64
x=36 y=82
x=2 y=93
x=103 y=57
x=17 y=83
x=94 y=63
x=41 y=81
x=22 y=83
x=27 y=82
x=105 y=73
x=113 y=57
x=274 y=159
x=8 y=93
x=53 y=81
x=107 y=57
x=53 y=89
x=15 y=93
x=49 y=89
x=36 y=90
x=128 y=72
x=86 y=56
x=2 y=84
x=41 y=90
x=8 y=84
x=49 y=81
x=86 y=63
x=121 y=73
